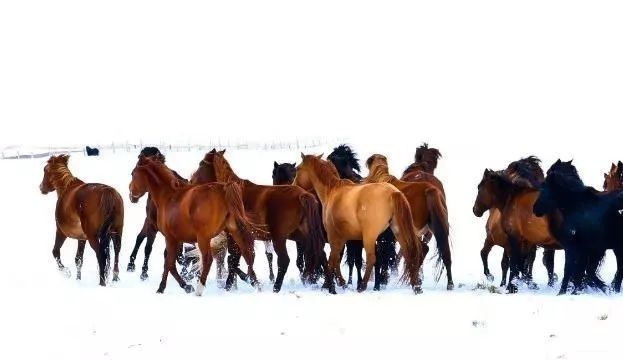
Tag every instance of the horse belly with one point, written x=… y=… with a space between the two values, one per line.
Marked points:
x=72 y=228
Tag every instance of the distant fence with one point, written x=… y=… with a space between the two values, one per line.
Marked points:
x=17 y=152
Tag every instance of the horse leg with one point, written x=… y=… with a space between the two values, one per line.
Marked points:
x=548 y=261
x=151 y=237
x=592 y=266
x=484 y=256
x=79 y=258
x=94 y=244
x=359 y=263
x=515 y=263
x=333 y=264
x=206 y=262
x=616 y=282
x=527 y=268
x=300 y=257
x=269 y=256
x=505 y=264
x=170 y=263
x=139 y=240
x=283 y=261
x=569 y=259
x=56 y=252
x=369 y=242
x=220 y=264
x=248 y=253
x=579 y=271
x=350 y=260
x=116 y=241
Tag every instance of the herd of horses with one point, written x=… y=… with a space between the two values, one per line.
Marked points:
x=216 y=215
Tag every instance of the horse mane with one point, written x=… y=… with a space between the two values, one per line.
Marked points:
x=152 y=152
x=427 y=154
x=160 y=172
x=326 y=171
x=565 y=175
x=525 y=173
x=223 y=170
x=378 y=170
x=345 y=152
x=60 y=175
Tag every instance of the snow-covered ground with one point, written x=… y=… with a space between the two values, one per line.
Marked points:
x=45 y=315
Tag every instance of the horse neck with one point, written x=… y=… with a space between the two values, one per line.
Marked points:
x=227 y=174
x=158 y=187
x=323 y=185
x=64 y=180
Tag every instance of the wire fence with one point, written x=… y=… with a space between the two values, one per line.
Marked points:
x=17 y=152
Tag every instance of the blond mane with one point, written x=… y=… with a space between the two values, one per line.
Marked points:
x=379 y=171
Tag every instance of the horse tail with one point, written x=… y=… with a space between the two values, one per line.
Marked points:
x=108 y=207
x=436 y=204
x=235 y=207
x=403 y=222
x=316 y=240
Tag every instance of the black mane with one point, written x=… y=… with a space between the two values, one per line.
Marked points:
x=423 y=150
x=526 y=172
x=563 y=174
x=346 y=153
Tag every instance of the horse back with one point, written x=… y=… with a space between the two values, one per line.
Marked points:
x=81 y=211
x=275 y=206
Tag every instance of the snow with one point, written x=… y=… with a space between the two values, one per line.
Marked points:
x=77 y=319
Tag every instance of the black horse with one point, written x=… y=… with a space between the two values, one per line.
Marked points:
x=92 y=151
x=587 y=222
x=347 y=165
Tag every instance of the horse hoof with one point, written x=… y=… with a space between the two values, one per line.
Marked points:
x=417 y=290
x=189 y=289
x=144 y=276
x=65 y=271
x=78 y=276
x=512 y=289
x=490 y=278
x=450 y=286
x=131 y=267
x=160 y=291
x=115 y=278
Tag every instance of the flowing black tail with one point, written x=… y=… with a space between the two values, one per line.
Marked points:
x=316 y=241
x=108 y=207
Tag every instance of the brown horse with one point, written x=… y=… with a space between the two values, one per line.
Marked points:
x=513 y=192
x=423 y=169
x=354 y=211
x=287 y=211
x=150 y=230
x=613 y=180
x=428 y=208
x=194 y=213
x=86 y=212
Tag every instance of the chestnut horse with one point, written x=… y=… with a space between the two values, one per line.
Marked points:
x=354 y=211
x=423 y=169
x=150 y=230
x=513 y=192
x=428 y=208
x=86 y=212
x=613 y=180
x=287 y=211
x=194 y=213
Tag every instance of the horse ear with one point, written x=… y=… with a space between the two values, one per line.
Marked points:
x=275 y=164
x=213 y=151
x=620 y=164
x=320 y=156
x=605 y=176
x=64 y=158
x=558 y=162
x=222 y=152
x=294 y=164
x=302 y=156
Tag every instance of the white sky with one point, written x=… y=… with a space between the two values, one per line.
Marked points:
x=185 y=71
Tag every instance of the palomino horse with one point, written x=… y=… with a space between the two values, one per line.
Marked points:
x=354 y=211
x=428 y=208
x=150 y=230
x=513 y=193
x=347 y=164
x=287 y=211
x=587 y=223
x=194 y=213
x=87 y=212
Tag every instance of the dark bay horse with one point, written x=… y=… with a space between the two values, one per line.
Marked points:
x=195 y=213
x=287 y=211
x=86 y=212
x=150 y=230
x=347 y=164
x=346 y=216
x=587 y=223
x=428 y=208
x=514 y=193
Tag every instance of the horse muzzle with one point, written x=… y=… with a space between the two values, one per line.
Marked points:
x=134 y=199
